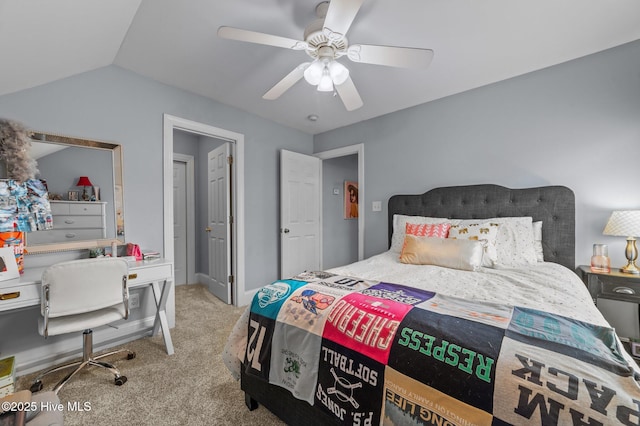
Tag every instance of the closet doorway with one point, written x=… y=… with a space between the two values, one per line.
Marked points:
x=177 y=151
x=184 y=221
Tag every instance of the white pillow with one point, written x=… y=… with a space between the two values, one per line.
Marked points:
x=513 y=245
x=478 y=230
x=400 y=226
x=449 y=253
x=537 y=241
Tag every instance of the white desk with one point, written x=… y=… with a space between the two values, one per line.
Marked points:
x=158 y=273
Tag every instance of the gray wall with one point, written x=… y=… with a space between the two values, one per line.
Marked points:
x=339 y=235
x=576 y=124
x=114 y=104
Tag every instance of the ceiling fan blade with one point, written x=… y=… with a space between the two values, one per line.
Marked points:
x=339 y=17
x=285 y=84
x=405 y=57
x=349 y=95
x=239 y=34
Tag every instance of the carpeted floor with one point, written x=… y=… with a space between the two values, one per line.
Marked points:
x=191 y=387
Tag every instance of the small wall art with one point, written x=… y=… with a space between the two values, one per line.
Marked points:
x=350 y=199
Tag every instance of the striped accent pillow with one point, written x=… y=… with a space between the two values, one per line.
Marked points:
x=437 y=230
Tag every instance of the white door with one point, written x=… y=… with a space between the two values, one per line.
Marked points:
x=219 y=229
x=180 y=222
x=299 y=213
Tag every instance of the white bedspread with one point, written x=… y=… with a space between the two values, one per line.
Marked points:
x=545 y=286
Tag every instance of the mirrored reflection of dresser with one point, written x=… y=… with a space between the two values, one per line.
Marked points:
x=73 y=221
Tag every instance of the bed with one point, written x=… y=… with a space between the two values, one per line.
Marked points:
x=512 y=343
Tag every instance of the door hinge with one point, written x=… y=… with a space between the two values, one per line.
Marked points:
x=230 y=279
x=230 y=159
x=231 y=219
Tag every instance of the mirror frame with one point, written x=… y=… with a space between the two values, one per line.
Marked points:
x=116 y=150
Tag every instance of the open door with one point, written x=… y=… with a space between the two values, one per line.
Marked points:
x=219 y=228
x=299 y=213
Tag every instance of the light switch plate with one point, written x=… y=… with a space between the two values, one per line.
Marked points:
x=376 y=206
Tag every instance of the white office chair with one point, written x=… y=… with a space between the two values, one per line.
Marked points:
x=77 y=296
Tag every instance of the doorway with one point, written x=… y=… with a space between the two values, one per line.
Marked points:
x=236 y=143
x=184 y=219
x=347 y=151
x=290 y=258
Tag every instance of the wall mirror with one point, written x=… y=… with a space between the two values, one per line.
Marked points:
x=79 y=223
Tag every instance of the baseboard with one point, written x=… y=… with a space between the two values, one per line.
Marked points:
x=203 y=279
x=243 y=299
x=71 y=348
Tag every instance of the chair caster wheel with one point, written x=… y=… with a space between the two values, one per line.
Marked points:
x=132 y=355
x=36 y=386
x=121 y=380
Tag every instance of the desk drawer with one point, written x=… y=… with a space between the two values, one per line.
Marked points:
x=612 y=289
x=19 y=296
x=147 y=274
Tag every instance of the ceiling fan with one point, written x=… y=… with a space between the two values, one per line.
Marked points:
x=325 y=42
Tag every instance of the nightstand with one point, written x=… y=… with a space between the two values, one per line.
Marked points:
x=613 y=285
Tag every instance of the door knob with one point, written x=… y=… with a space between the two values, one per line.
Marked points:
x=285 y=230
x=208 y=229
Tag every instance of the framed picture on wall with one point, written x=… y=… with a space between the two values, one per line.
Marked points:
x=8 y=264
x=350 y=199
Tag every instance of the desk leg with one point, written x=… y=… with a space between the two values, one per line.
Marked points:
x=161 y=295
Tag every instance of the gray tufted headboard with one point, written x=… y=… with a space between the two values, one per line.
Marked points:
x=553 y=205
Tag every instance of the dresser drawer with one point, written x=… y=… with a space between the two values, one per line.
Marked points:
x=64 y=235
x=68 y=222
x=85 y=208
x=71 y=207
x=19 y=296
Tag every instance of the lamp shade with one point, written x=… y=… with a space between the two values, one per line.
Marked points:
x=84 y=181
x=623 y=223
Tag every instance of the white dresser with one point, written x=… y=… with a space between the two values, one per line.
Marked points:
x=73 y=221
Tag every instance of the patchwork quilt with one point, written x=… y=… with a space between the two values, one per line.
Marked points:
x=370 y=353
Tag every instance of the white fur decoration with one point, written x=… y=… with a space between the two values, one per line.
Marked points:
x=15 y=150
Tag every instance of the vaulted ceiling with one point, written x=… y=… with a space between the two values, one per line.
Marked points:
x=475 y=43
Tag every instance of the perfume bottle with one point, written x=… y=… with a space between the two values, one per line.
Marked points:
x=600 y=260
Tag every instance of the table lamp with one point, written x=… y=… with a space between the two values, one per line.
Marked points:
x=84 y=181
x=626 y=223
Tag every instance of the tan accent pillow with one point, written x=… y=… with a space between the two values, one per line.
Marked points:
x=485 y=232
x=450 y=253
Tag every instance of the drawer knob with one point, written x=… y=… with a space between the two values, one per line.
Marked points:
x=69 y=221
x=70 y=235
x=7 y=296
x=624 y=290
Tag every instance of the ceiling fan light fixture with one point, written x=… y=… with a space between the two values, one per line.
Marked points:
x=339 y=73
x=313 y=73
x=326 y=83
